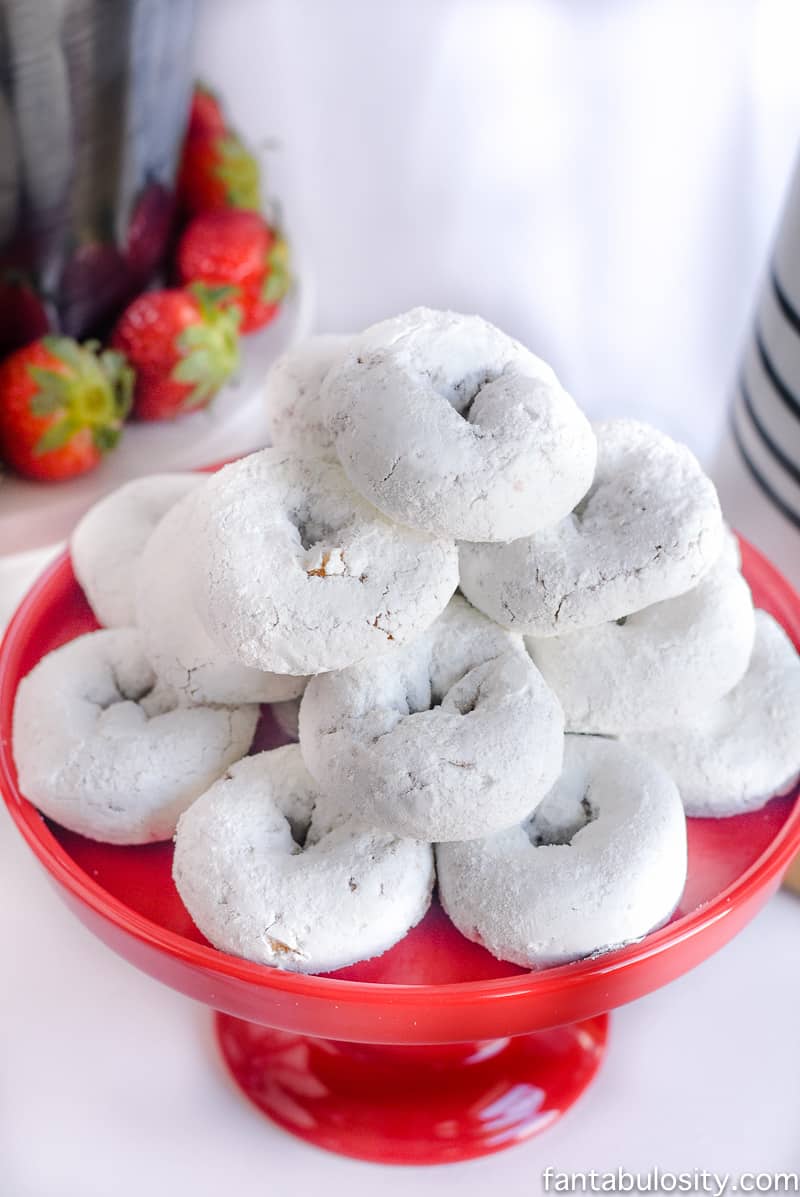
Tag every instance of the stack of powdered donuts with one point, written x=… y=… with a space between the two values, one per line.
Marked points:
x=516 y=647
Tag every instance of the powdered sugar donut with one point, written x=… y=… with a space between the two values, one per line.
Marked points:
x=450 y=738
x=601 y=862
x=448 y=425
x=108 y=541
x=659 y=666
x=295 y=411
x=104 y=749
x=745 y=748
x=268 y=872
x=301 y=575
x=176 y=642
x=648 y=529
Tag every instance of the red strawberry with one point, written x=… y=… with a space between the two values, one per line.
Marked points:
x=238 y=250
x=94 y=286
x=149 y=231
x=216 y=171
x=22 y=314
x=61 y=407
x=206 y=117
x=182 y=344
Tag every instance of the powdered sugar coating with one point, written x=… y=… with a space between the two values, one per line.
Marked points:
x=108 y=541
x=295 y=411
x=106 y=751
x=600 y=864
x=659 y=666
x=448 y=425
x=300 y=575
x=347 y=894
x=745 y=748
x=176 y=642
x=450 y=738
x=649 y=528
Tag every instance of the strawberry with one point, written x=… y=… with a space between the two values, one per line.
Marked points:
x=217 y=171
x=61 y=407
x=22 y=314
x=237 y=250
x=94 y=286
x=182 y=344
x=149 y=231
x=206 y=117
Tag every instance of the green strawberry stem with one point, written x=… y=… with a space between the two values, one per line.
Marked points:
x=239 y=173
x=95 y=392
x=278 y=278
x=209 y=349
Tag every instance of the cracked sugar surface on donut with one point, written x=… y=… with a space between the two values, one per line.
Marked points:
x=176 y=642
x=448 y=425
x=745 y=748
x=299 y=574
x=659 y=666
x=103 y=748
x=648 y=529
x=108 y=541
x=270 y=870
x=295 y=410
x=600 y=863
x=450 y=738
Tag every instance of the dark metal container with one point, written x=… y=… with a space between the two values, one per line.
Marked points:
x=94 y=97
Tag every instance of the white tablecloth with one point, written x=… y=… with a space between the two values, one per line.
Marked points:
x=601 y=179
x=110 y=1084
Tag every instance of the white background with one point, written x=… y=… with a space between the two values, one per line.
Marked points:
x=601 y=178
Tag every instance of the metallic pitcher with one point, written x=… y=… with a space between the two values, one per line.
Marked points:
x=94 y=96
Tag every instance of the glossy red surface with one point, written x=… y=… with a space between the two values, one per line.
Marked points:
x=433 y=988
x=406 y=1105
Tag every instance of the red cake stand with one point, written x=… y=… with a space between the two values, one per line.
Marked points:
x=435 y=1051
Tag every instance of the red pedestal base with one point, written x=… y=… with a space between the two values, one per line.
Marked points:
x=413 y=1105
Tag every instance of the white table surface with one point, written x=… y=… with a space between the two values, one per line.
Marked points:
x=110 y=1083
x=541 y=167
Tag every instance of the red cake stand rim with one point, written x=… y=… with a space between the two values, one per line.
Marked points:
x=556 y=980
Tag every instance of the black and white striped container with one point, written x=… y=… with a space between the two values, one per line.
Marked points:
x=758 y=467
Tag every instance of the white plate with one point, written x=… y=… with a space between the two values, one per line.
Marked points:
x=36 y=514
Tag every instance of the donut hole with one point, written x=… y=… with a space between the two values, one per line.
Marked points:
x=460 y=394
x=564 y=812
x=312 y=530
x=118 y=695
x=464 y=695
x=465 y=392
x=385 y=720
x=461 y=695
x=299 y=829
x=309 y=825
x=320 y=538
x=465 y=704
x=118 y=687
x=299 y=820
x=295 y=803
